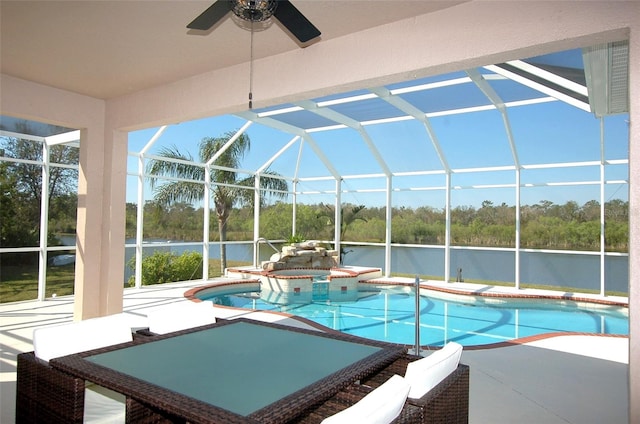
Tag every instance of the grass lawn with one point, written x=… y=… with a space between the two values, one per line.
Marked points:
x=18 y=283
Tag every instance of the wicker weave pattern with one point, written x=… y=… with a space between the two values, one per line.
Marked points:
x=46 y=395
x=141 y=414
x=447 y=403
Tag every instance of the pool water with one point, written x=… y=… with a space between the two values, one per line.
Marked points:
x=387 y=314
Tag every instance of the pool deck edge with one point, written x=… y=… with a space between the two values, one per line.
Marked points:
x=474 y=289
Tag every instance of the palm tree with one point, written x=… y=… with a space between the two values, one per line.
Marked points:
x=348 y=216
x=226 y=184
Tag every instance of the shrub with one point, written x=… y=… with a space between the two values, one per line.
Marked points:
x=296 y=238
x=165 y=267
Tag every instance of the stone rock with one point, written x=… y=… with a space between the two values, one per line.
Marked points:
x=323 y=262
x=303 y=255
x=289 y=250
x=275 y=257
x=308 y=245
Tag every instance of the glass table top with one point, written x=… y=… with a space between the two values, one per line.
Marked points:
x=241 y=367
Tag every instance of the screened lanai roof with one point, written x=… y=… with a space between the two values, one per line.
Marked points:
x=477 y=119
x=433 y=119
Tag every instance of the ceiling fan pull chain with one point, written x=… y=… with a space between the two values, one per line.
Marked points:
x=251 y=71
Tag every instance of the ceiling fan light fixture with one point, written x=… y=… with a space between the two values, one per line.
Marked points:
x=254 y=10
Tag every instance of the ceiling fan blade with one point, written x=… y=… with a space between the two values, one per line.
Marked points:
x=211 y=16
x=295 y=21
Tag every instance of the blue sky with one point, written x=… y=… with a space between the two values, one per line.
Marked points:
x=552 y=132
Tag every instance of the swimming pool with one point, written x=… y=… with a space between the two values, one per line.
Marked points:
x=387 y=314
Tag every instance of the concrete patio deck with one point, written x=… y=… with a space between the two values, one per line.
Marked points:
x=562 y=379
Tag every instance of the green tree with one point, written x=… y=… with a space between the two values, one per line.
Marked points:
x=62 y=180
x=15 y=211
x=131 y=219
x=349 y=215
x=228 y=188
x=62 y=213
x=591 y=210
x=21 y=183
x=276 y=221
x=617 y=210
x=314 y=225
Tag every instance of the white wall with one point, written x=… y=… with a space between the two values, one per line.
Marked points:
x=95 y=262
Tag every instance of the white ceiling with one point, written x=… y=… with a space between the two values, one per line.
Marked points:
x=107 y=49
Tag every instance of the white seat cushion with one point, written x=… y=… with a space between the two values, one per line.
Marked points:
x=66 y=339
x=424 y=374
x=180 y=316
x=101 y=405
x=381 y=406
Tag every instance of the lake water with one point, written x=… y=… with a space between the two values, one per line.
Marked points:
x=553 y=269
x=579 y=272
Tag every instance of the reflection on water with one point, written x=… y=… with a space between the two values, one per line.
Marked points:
x=320 y=294
x=389 y=315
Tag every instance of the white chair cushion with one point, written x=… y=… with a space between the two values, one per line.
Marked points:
x=101 y=405
x=424 y=374
x=381 y=406
x=66 y=339
x=180 y=316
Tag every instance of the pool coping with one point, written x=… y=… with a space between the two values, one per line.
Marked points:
x=505 y=292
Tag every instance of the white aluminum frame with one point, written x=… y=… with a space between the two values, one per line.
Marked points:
x=304 y=137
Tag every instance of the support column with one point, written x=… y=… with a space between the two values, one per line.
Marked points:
x=101 y=223
x=634 y=224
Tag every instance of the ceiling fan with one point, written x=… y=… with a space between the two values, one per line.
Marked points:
x=258 y=11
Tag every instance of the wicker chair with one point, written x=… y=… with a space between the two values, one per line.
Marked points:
x=446 y=403
x=44 y=394
x=346 y=399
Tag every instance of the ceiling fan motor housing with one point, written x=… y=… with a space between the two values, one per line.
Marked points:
x=258 y=11
x=254 y=10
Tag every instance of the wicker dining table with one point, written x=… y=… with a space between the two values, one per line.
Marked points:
x=236 y=371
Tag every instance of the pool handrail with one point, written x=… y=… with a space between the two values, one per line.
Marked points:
x=256 y=252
